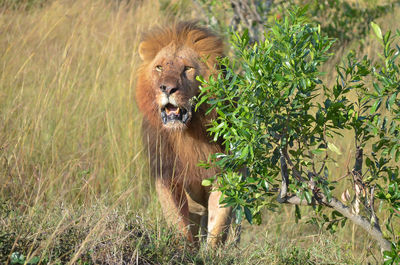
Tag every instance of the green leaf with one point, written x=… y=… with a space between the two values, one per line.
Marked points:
x=387 y=36
x=248 y=214
x=375 y=106
x=377 y=30
x=333 y=148
x=201 y=101
x=244 y=152
x=391 y=101
x=308 y=196
x=343 y=222
x=318 y=151
x=207 y=182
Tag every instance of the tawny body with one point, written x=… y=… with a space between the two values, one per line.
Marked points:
x=174 y=133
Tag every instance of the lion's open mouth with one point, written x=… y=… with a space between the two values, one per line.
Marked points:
x=172 y=113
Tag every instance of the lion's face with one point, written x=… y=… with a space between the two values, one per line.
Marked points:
x=172 y=57
x=174 y=71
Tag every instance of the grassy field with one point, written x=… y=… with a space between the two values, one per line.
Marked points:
x=74 y=181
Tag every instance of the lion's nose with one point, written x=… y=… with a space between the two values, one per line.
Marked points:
x=168 y=89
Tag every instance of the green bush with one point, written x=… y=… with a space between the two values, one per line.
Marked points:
x=277 y=119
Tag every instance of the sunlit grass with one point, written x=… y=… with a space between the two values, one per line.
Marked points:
x=69 y=129
x=69 y=122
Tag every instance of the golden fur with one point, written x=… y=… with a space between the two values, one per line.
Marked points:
x=172 y=58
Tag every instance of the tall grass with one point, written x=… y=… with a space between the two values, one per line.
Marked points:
x=74 y=181
x=69 y=128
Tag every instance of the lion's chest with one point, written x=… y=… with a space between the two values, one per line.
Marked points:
x=191 y=150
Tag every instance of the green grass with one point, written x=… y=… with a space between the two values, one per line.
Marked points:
x=74 y=181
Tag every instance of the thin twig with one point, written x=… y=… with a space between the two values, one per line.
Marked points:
x=359 y=161
x=371 y=206
x=285 y=179
x=296 y=173
x=342 y=177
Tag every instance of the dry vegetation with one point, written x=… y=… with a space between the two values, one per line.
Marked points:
x=74 y=181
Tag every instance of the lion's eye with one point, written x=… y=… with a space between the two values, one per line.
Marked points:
x=187 y=68
x=159 y=68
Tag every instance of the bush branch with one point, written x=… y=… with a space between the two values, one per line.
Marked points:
x=285 y=179
x=318 y=198
x=359 y=161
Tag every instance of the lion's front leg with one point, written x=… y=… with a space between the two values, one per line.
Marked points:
x=174 y=205
x=219 y=219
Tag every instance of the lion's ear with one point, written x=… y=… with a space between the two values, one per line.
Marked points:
x=146 y=51
x=142 y=51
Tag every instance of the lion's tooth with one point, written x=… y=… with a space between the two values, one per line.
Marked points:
x=171 y=109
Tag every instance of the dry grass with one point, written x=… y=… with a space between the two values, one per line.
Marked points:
x=69 y=129
x=74 y=181
x=69 y=126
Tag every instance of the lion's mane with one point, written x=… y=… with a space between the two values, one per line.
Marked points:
x=176 y=152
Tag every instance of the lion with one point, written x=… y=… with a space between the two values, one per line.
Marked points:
x=174 y=134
